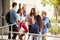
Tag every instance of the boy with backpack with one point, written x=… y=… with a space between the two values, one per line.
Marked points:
x=46 y=24
x=11 y=18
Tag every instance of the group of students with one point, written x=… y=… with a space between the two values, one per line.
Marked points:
x=36 y=23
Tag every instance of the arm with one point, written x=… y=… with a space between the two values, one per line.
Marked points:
x=15 y=15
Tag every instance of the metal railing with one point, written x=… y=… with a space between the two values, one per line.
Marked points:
x=55 y=36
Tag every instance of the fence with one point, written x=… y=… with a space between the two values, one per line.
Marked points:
x=55 y=36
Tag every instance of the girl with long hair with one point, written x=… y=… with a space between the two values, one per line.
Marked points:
x=31 y=18
x=21 y=22
x=37 y=27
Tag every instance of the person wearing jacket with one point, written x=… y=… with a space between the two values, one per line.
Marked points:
x=13 y=20
x=37 y=28
x=45 y=21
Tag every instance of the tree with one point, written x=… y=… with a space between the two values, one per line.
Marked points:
x=55 y=4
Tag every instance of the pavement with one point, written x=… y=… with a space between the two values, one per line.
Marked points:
x=47 y=38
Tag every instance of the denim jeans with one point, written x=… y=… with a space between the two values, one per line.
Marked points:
x=36 y=37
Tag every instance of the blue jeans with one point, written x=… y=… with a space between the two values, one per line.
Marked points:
x=36 y=37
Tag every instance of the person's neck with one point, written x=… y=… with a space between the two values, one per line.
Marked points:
x=13 y=8
x=44 y=16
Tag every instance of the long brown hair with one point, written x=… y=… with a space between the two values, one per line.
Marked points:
x=39 y=22
x=33 y=14
x=19 y=10
x=24 y=10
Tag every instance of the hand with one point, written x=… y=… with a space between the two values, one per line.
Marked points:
x=30 y=21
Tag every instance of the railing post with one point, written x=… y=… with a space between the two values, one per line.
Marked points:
x=11 y=31
x=18 y=35
x=31 y=37
x=28 y=37
x=40 y=36
x=25 y=37
x=2 y=33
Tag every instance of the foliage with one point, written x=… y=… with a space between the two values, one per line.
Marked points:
x=53 y=30
x=54 y=3
x=59 y=12
x=54 y=19
x=59 y=29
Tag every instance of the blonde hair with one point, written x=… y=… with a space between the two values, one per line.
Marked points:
x=44 y=12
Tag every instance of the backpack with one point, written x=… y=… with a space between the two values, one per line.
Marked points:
x=48 y=24
x=8 y=17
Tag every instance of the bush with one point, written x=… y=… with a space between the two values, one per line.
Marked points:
x=58 y=20
x=54 y=19
x=58 y=29
x=53 y=30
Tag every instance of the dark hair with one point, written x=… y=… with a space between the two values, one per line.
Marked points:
x=33 y=14
x=14 y=4
x=18 y=10
x=39 y=21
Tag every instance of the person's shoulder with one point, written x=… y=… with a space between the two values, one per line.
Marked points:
x=12 y=10
x=17 y=14
x=46 y=18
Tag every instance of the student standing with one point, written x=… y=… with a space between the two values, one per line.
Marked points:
x=46 y=24
x=37 y=27
x=31 y=18
x=13 y=20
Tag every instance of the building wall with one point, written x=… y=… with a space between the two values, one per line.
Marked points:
x=0 y=12
x=4 y=8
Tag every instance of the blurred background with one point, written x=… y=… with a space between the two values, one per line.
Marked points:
x=52 y=7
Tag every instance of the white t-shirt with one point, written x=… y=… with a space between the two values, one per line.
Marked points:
x=33 y=20
x=21 y=18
